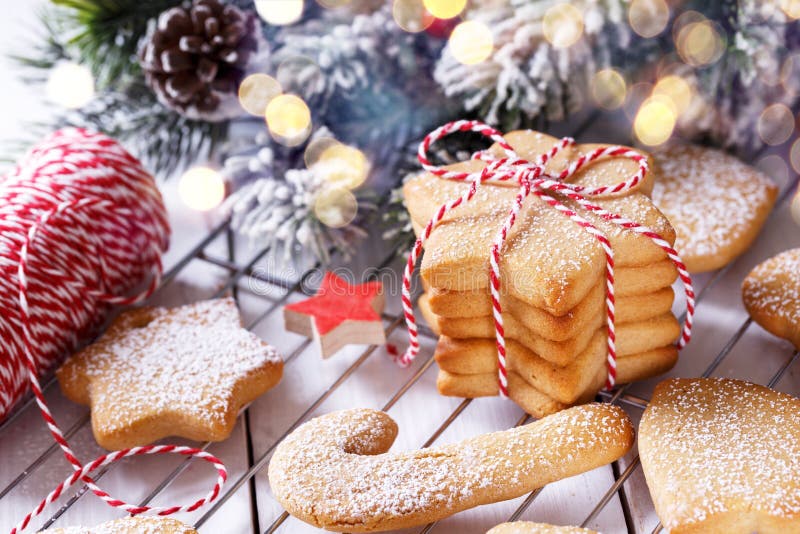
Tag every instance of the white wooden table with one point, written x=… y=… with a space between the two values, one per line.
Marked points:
x=363 y=377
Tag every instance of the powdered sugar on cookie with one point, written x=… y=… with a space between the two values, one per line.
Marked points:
x=768 y=289
x=131 y=525
x=195 y=361
x=716 y=203
x=717 y=450
x=771 y=294
x=330 y=472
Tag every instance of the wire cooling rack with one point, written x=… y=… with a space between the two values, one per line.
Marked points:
x=30 y=463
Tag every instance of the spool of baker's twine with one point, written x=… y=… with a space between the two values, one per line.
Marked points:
x=82 y=224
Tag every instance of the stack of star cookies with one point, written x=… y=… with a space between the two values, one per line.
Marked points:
x=553 y=285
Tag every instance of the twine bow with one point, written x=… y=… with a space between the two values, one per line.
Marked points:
x=532 y=178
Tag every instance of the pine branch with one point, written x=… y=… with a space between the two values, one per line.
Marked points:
x=101 y=34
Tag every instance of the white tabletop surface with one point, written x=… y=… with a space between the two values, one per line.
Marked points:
x=419 y=412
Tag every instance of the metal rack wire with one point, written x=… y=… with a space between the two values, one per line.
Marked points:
x=237 y=272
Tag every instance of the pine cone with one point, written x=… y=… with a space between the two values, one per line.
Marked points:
x=194 y=58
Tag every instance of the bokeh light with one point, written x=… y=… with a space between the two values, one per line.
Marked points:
x=445 y=9
x=790 y=74
x=648 y=18
x=288 y=119
x=775 y=124
x=299 y=75
x=775 y=167
x=201 y=188
x=791 y=8
x=700 y=43
x=411 y=15
x=655 y=121
x=279 y=12
x=315 y=149
x=684 y=19
x=471 y=42
x=333 y=4
x=562 y=25
x=335 y=206
x=608 y=89
x=256 y=91
x=637 y=94
x=70 y=85
x=342 y=166
x=794 y=156
x=677 y=90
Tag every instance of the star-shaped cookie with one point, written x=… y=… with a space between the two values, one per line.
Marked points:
x=339 y=314
x=160 y=372
x=547 y=261
x=130 y=525
x=722 y=456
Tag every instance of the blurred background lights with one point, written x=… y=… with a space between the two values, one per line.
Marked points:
x=648 y=18
x=343 y=166
x=471 y=42
x=335 y=206
x=699 y=43
x=791 y=8
x=608 y=89
x=288 y=119
x=675 y=89
x=637 y=94
x=332 y=4
x=775 y=167
x=299 y=74
x=445 y=9
x=279 y=12
x=562 y=25
x=790 y=74
x=201 y=188
x=794 y=156
x=70 y=85
x=315 y=149
x=776 y=124
x=411 y=15
x=256 y=91
x=655 y=121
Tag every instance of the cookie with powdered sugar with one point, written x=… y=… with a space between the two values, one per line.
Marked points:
x=771 y=294
x=716 y=203
x=722 y=456
x=528 y=527
x=160 y=372
x=130 y=525
x=334 y=472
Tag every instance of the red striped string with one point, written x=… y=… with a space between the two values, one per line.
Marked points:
x=532 y=178
x=81 y=225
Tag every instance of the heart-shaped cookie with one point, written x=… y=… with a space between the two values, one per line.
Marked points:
x=771 y=294
x=722 y=456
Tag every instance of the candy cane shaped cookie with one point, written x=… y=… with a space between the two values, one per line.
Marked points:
x=332 y=471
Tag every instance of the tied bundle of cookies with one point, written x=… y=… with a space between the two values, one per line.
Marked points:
x=570 y=272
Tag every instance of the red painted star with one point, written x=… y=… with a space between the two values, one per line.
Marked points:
x=339 y=314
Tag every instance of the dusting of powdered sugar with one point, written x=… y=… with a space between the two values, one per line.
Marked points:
x=773 y=287
x=711 y=198
x=712 y=446
x=527 y=527
x=186 y=360
x=131 y=525
x=318 y=473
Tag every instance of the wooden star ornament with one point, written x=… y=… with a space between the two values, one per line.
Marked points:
x=339 y=314
x=160 y=372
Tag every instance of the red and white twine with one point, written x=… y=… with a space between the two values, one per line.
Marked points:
x=81 y=223
x=534 y=179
